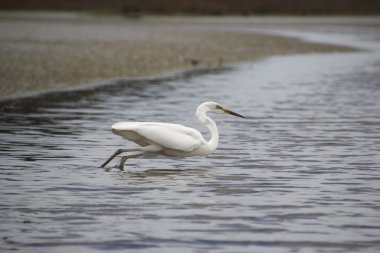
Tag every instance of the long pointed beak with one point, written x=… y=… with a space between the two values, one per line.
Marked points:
x=233 y=113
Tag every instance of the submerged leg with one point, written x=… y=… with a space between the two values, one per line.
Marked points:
x=125 y=158
x=117 y=152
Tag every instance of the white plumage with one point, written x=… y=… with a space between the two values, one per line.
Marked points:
x=165 y=135
x=156 y=138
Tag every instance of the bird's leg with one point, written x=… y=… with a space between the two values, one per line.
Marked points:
x=125 y=158
x=117 y=152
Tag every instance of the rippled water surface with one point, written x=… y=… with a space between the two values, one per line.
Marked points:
x=301 y=174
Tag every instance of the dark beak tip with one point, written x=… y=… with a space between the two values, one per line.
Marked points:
x=236 y=114
x=239 y=115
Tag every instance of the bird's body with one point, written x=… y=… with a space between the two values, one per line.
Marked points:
x=162 y=138
x=156 y=138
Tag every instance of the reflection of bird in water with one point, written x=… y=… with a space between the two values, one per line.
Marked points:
x=156 y=138
x=166 y=173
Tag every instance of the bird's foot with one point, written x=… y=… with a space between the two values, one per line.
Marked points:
x=122 y=162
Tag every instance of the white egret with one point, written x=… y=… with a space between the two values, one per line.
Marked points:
x=156 y=138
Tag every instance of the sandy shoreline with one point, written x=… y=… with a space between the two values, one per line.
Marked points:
x=48 y=51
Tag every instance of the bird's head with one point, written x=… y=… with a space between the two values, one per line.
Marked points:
x=217 y=108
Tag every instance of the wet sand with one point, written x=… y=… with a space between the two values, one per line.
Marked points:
x=52 y=51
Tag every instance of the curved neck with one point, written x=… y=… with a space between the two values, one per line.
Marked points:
x=211 y=126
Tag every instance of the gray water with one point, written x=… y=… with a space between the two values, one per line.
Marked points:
x=300 y=174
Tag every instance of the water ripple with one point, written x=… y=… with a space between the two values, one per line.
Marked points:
x=300 y=174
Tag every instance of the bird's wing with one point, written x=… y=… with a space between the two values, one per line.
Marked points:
x=167 y=135
x=127 y=130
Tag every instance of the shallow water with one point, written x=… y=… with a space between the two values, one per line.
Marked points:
x=301 y=174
